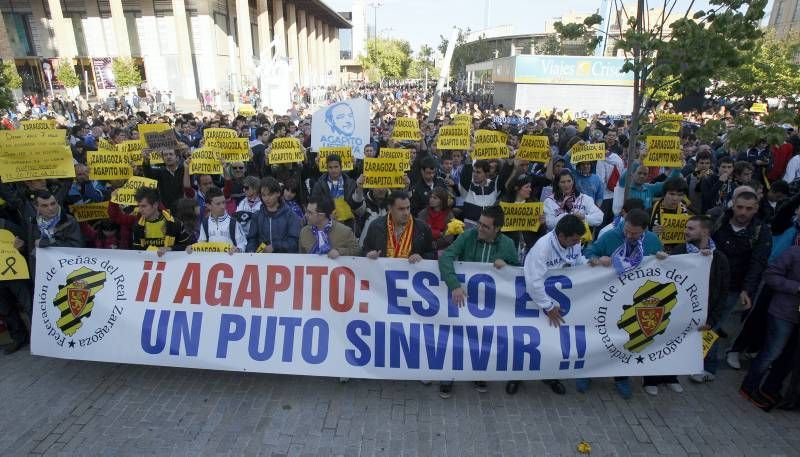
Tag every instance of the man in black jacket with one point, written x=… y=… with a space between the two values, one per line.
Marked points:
x=747 y=242
x=398 y=234
x=169 y=177
x=54 y=227
x=698 y=241
x=340 y=188
x=421 y=191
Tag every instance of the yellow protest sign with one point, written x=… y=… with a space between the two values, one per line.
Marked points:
x=462 y=119
x=246 y=109
x=587 y=152
x=534 y=148
x=384 y=173
x=490 y=151
x=37 y=163
x=709 y=338
x=490 y=137
x=89 y=211
x=150 y=128
x=104 y=145
x=205 y=167
x=161 y=140
x=286 y=150
x=758 y=108
x=219 y=133
x=41 y=124
x=125 y=194
x=206 y=153
x=397 y=153
x=674 y=226
x=454 y=137
x=104 y=165
x=23 y=140
x=231 y=149
x=663 y=151
x=12 y=263
x=211 y=246
x=345 y=153
x=670 y=122
x=406 y=129
x=131 y=147
x=522 y=216
x=582 y=123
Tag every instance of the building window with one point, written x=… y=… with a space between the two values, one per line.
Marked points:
x=345 y=44
x=778 y=14
x=221 y=26
x=19 y=34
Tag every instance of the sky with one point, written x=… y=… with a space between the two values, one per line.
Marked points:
x=423 y=21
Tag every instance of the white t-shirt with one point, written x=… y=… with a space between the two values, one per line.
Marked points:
x=545 y=255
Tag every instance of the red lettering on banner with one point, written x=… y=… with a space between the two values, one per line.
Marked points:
x=274 y=285
x=224 y=296
x=349 y=289
x=249 y=287
x=316 y=274
x=298 y=288
x=189 y=286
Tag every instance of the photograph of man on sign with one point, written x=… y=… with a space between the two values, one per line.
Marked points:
x=340 y=119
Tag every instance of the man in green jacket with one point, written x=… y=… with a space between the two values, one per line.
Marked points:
x=485 y=244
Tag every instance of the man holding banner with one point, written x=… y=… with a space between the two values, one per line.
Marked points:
x=398 y=234
x=340 y=188
x=484 y=244
x=274 y=227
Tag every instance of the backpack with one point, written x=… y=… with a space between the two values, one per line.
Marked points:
x=231 y=228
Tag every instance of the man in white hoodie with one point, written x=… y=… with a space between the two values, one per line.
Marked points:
x=560 y=248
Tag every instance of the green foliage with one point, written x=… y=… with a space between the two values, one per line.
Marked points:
x=387 y=58
x=13 y=79
x=65 y=73
x=768 y=69
x=126 y=73
x=580 y=31
x=6 y=96
x=423 y=61
x=744 y=132
x=468 y=53
x=551 y=46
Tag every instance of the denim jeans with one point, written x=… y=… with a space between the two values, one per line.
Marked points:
x=711 y=362
x=778 y=333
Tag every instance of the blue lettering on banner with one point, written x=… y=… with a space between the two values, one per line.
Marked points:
x=254 y=348
x=523 y=298
x=480 y=348
x=409 y=344
x=502 y=348
x=289 y=324
x=359 y=356
x=427 y=296
x=452 y=308
x=489 y=291
x=231 y=328
x=322 y=341
x=393 y=292
x=458 y=347
x=555 y=293
x=161 y=333
x=436 y=348
x=521 y=347
x=180 y=331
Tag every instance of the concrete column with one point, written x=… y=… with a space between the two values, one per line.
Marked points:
x=331 y=54
x=213 y=75
x=245 y=41
x=326 y=51
x=187 y=90
x=65 y=35
x=6 y=52
x=264 y=37
x=278 y=28
x=337 y=67
x=291 y=42
x=93 y=27
x=302 y=48
x=313 y=66
x=323 y=73
x=120 y=28
x=44 y=46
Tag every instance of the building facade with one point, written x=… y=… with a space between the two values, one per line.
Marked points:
x=785 y=17
x=186 y=46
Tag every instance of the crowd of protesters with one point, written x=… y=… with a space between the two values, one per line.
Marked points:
x=743 y=206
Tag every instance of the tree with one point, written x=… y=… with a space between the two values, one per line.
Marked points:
x=65 y=73
x=13 y=79
x=387 y=58
x=467 y=53
x=767 y=70
x=126 y=73
x=551 y=46
x=584 y=31
x=6 y=96
x=423 y=61
x=744 y=132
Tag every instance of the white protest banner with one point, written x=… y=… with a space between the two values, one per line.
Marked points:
x=345 y=123
x=361 y=318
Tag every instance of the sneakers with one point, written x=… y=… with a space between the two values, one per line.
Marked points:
x=445 y=390
x=556 y=386
x=344 y=380
x=732 y=359
x=651 y=390
x=425 y=382
x=481 y=386
x=675 y=387
x=582 y=384
x=755 y=398
x=624 y=388
x=512 y=387
x=705 y=376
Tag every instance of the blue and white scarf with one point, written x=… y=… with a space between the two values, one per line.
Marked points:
x=337 y=188
x=47 y=226
x=323 y=244
x=624 y=261
x=692 y=249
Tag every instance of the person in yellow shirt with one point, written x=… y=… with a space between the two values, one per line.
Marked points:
x=340 y=188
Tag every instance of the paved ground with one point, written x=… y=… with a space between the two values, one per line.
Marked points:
x=59 y=407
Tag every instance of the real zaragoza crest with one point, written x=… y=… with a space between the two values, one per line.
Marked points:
x=648 y=316
x=75 y=299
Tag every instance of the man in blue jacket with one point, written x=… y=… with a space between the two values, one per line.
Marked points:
x=274 y=227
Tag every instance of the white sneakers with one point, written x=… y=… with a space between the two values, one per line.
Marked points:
x=705 y=376
x=732 y=358
x=651 y=390
x=673 y=386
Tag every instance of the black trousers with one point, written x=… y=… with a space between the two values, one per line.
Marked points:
x=754 y=331
x=656 y=380
x=15 y=298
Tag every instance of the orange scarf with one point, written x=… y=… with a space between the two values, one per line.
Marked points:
x=398 y=248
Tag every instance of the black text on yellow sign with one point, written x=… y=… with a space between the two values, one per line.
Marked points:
x=50 y=162
x=286 y=150
x=406 y=129
x=231 y=149
x=534 y=148
x=125 y=194
x=43 y=124
x=490 y=151
x=384 y=182
x=219 y=133
x=454 y=137
x=384 y=173
x=490 y=137
x=522 y=216
x=205 y=167
x=587 y=152
x=670 y=122
x=399 y=154
x=674 y=227
x=345 y=154
x=108 y=165
x=663 y=151
x=20 y=141
x=89 y=211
